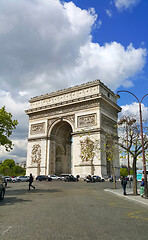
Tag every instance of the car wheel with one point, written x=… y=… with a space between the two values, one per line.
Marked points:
x=2 y=195
x=18 y=180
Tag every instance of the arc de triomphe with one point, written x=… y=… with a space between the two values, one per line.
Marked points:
x=60 y=121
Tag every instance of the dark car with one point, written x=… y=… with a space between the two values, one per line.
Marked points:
x=94 y=178
x=2 y=188
x=70 y=178
x=43 y=178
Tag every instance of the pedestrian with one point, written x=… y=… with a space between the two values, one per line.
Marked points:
x=77 y=177
x=30 y=181
x=123 y=183
x=142 y=188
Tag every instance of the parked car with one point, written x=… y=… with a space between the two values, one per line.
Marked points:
x=2 y=188
x=8 y=178
x=54 y=177
x=20 y=179
x=43 y=178
x=63 y=176
x=70 y=178
x=94 y=178
x=102 y=179
x=130 y=177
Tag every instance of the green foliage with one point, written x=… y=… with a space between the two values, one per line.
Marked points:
x=9 y=168
x=6 y=127
x=87 y=150
x=123 y=172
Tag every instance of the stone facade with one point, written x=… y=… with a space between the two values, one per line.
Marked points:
x=61 y=121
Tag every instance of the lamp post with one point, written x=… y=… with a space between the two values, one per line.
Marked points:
x=141 y=127
x=129 y=121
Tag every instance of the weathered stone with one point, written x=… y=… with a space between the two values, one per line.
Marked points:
x=58 y=124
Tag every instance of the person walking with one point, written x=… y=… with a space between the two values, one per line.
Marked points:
x=123 y=183
x=30 y=181
x=142 y=188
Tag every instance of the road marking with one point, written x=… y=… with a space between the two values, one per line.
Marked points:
x=132 y=215
x=126 y=197
x=6 y=230
x=116 y=204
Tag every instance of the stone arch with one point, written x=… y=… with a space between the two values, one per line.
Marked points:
x=60 y=148
x=56 y=121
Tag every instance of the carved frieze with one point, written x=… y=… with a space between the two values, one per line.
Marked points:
x=87 y=120
x=37 y=128
x=65 y=109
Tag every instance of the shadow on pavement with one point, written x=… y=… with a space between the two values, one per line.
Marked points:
x=32 y=191
x=12 y=200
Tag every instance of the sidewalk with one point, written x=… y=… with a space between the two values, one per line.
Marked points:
x=129 y=196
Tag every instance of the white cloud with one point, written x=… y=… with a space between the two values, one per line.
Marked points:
x=44 y=51
x=23 y=93
x=47 y=45
x=17 y=108
x=133 y=110
x=111 y=63
x=109 y=12
x=18 y=154
x=126 y=4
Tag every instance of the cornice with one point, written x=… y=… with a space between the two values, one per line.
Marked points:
x=74 y=101
x=85 y=131
x=70 y=90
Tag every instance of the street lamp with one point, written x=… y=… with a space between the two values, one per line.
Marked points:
x=141 y=126
x=129 y=121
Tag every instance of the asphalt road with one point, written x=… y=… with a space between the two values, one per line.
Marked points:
x=60 y=210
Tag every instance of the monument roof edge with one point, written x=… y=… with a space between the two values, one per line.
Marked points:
x=70 y=89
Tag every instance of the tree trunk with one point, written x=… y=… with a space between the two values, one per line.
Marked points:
x=134 y=176
x=92 y=167
x=114 y=178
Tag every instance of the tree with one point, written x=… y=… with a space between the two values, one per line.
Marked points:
x=9 y=168
x=90 y=148
x=134 y=146
x=124 y=172
x=111 y=151
x=6 y=168
x=6 y=127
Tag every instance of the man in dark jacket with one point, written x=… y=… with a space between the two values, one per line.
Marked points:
x=123 y=183
x=31 y=181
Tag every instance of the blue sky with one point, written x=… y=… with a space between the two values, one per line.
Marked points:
x=47 y=45
x=125 y=26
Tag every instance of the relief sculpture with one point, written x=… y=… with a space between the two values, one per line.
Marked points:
x=36 y=154
x=87 y=120
x=37 y=128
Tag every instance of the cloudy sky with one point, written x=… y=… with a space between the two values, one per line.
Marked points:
x=47 y=45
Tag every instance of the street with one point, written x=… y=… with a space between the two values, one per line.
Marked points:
x=60 y=210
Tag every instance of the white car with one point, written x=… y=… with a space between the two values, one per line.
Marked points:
x=20 y=179
x=54 y=177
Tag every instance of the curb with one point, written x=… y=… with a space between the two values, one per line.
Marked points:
x=141 y=201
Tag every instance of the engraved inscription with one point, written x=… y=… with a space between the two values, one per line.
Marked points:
x=37 y=128
x=87 y=120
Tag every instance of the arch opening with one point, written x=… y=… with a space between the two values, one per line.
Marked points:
x=60 y=148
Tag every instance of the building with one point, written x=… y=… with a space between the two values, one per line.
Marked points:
x=63 y=123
